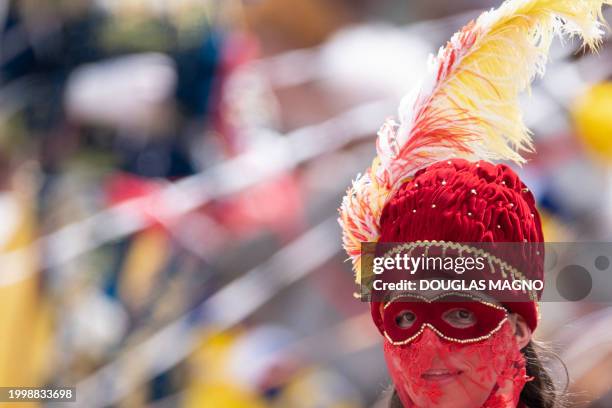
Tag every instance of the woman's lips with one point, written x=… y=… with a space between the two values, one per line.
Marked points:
x=441 y=376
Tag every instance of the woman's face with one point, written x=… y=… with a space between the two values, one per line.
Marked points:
x=433 y=372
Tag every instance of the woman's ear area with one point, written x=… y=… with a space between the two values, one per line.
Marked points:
x=522 y=332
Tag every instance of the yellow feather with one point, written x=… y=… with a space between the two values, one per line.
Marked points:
x=487 y=75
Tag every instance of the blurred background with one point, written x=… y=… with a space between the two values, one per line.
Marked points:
x=170 y=172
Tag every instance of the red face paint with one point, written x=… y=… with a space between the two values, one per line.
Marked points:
x=451 y=351
x=432 y=372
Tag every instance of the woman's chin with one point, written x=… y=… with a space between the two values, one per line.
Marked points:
x=451 y=393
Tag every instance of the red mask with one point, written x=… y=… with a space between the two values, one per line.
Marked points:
x=450 y=351
x=455 y=317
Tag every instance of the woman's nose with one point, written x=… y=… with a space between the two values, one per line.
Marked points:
x=430 y=337
x=434 y=349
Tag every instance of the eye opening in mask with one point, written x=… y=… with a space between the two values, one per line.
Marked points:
x=405 y=319
x=460 y=318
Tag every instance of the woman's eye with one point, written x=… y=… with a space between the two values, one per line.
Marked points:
x=405 y=319
x=460 y=318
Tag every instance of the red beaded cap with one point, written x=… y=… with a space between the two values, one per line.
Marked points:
x=470 y=202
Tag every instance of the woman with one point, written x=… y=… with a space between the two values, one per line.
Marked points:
x=468 y=349
x=432 y=183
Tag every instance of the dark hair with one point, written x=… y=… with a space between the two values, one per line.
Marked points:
x=540 y=392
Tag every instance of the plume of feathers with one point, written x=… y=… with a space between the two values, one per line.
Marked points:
x=468 y=105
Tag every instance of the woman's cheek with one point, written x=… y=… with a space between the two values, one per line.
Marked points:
x=478 y=380
x=482 y=365
x=405 y=365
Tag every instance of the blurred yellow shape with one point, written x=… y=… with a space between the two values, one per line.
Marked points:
x=147 y=257
x=592 y=113
x=553 y=228
x=210 y=384
x=315 y=387
x=25 y=315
